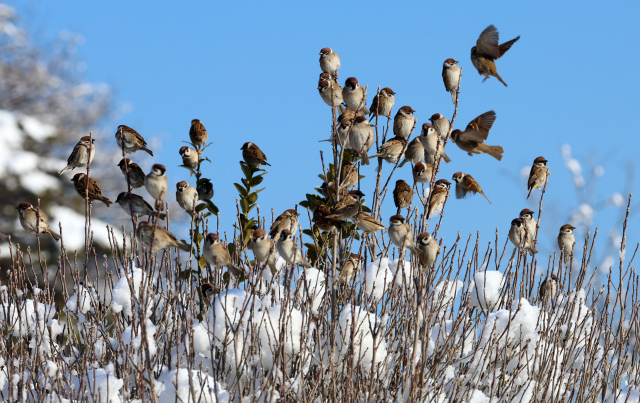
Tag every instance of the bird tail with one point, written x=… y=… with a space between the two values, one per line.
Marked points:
x=533 y=250
x=402 y=163
x=453 y=95
x=567 y=257
x=106 y=201
x=63 y=170
x=162 y=216
x=184 y=247
x=494 y=151
x=305 y=264
x=365 y=158
x=266 y=163
x=54 y=234
x=151 y=152
x=485 y=196
x=500 y=78
x=446 y=158
x=530 y=190
x=234 y=270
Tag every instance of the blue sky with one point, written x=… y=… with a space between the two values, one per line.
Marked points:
x=249 y=72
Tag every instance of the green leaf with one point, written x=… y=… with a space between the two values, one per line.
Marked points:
x=244 y=204
x=366 y=209
x=201 y=207
x=232 y=249
x=258 y=191
x=321 y=176
x=304 y=204
x=250 y=223
x=212 y=207
x=252 y=197
x=256 y=181
x=201 y=181
x=202 y=262
x=243 y=192
x=246 y=169
x=307 y=232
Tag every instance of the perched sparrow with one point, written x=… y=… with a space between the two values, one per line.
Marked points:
x=566 y=239
x=136 y=203
x=133 y=141
x=414 y=152
x=344 y=127
x=348 y=114
x=205 y=190
x=422 y=173
x=197 y=133
x=216 y=254
x=487 y=50
x=325 y=88
x=518 y=235
x=361 y=138
x=327 y=77
x=329 y=62
x=548 y=288
x=253 y=155
x=391 y=150
x=157 y=183
x=366 y=223
x=190 y=158
x=348 y=175
x=439 y=196
x=186 y=196
x=209 y=291
x=537 y=175
x=328 y=191
x=349 y=269
x=136 y=175
x=441 y=124
x=473 y=137
x=28 y=218
x=400 y=232
x=402 y=195
x=432 y=144
x=427 y=250
x=287 y=220
x=383 y=103
x=321 y=218
x=347 y=207
x=80 y=183
x=404 y=122
x=451 y=77
x=263 y=249
x=530 y=224
x=163 y=238
x=80 y=154
x=466 y=184
x=288 y=249
x=354 y=96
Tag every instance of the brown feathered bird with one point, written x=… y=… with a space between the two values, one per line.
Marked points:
x=473 y=137
x=197 y=133
x=383 y=103
x=537 y=175
x=402 y=195
x=80 y=184
x=133 y=141
x=253 y=155
x=320 y=218
x=465 y=184
x=136 y=175
x=487 y=50
x=439 y=196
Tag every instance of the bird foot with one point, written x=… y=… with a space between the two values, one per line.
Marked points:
x=485 y=79
x=470 y=154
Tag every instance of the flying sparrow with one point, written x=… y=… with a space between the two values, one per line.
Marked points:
x=432 y=144
x=287 y=220
x=548 y=288
x=391 y=150
x=197 y=133
x=566 y=239
x=427 y=250
x=329 y=62
x=361 y=138
x=217 y=255
x=402 y=195
x=530 y=224
x=487 y=50
x=263 y=249
x=451 y=77
x=350 y=268
x=190 y=158
x=441 y=124
x=80 y=154
x=422 y=173
x=288 y=249
x=157 y=183
x=400 y=232
x=383 y=103
x=163 y=238
x=80 y=184
x=28 y=218
x=253 y=155
x=518 y=235
x=404 y=122
x=366 y=223
x=537 y=175
x=354 y=96
x=438 y=196
x=136 y=175
x=133 y=141
x=466 y=184
x=414 y=152
x=347 y=207
x=209 y=291
x=186 y=196
x=473 y=137
x=321 y=218
x=136 y=203
x=348 y=175
x=205 y=190
x=325 y=88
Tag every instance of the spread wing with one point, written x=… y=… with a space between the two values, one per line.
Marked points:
x=482 y=123
x=488 y=42
x=472 y=185
x=461 y=192
x=471 y=136
x=506 y=46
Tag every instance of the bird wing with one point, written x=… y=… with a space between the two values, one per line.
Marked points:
x=482 y=123
x=488 y=42
x=472 y=185
x=461 y=192
x=473 y=137
x=506 y=46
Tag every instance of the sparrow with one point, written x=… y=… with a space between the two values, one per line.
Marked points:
x=451 y=77
x=157 y=183
x=136 y=175
x=190 y=158
x=432 y=144
x=342 y=138
x=402 y=195
x=354 y=96
x=361 y=138
x=217 y=255
x=80 y=184
x=441 y=124
x=205 y=190
x=400 y=232
x=163 y=238
x=537 y=175
x=348 y=114
x=383 y=103
x=391 y=150
x=325 y=89
x=366 y=223
x=427 y=250
x=349 y=269
x=517 y=235
x=548 y=288
x=414 y=152
x=328 y=191
x=80 y=154
x=288 y=249
x=209 y=291
x=473 y=137
x=197 y=133
x=530 y=224
x=422 y=173
x=404 y=122
x=466 y=184
x=566 y=239
x=133 y=141
x=253 y=155
x=287 y=220
x=329 y=62
x=28 y=218
x=347 y=207
x=321 y=218
x=263 y=249
x=186 y=196
x=348 y=175
x=487 y=50
x=138 y=204
x=439 y=196
x=327 y=77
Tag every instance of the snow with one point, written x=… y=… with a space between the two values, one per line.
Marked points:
x=485 y=289
x=314 y=287
x=376 y=278
x=103 y=386
x=176 y=387
x=364 y=342
x=73 y=227
x=121 y=293
x=405 y=278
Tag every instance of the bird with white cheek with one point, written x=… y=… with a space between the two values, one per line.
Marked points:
x=404 y=122
x=518 y=235
x=538 y=175
x=288 y=249
x=432 y=144
x=451 y=77
x=566 y=240
x=438 y=197
x=190 y=158
x=133 y=141
x=354 y=96
x=361 y=138
x=473 y=137
x=287 y=220
x=422 y=173
x=29 y=217
x=263 y=249
x=400 y=232
x=465 y=184
x=186 y=196
x=157 y=184
x=349 y=269
x=136 y=174
x=217 y=255
x=530 y=224
x=79 y=157
x=329 y=62
x=548 y=288
x=328 y=87
x=382 y=103
x=427 y=250
x=441 y=124
x=161 y=240
x=487 y=50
